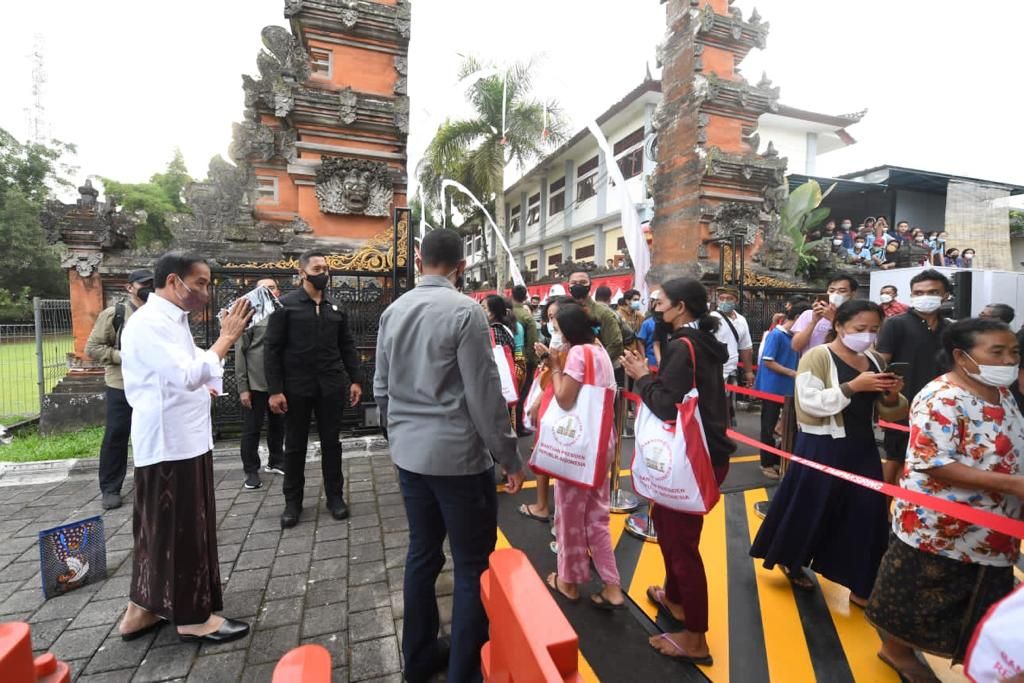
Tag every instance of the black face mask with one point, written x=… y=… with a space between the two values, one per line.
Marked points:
x=579 y=292
x=144 y=293
x=659 y=316
x=319 y=281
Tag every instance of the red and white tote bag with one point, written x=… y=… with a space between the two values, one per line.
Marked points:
x=506 y=371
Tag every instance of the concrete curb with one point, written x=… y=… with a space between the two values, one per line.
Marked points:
x=225 y=456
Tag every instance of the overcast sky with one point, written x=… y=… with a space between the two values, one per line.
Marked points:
x=127 y=81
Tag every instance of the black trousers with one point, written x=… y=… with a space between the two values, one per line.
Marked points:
x=895 y=443
x=114 y=451
x=252 y=426
x=770 y=411
x=328 y=410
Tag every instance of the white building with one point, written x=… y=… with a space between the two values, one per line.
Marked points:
x=562 y=209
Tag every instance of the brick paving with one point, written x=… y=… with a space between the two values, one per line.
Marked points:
x=335 y=583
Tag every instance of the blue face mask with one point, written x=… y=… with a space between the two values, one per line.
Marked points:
x=635 y=305
x=726 y=306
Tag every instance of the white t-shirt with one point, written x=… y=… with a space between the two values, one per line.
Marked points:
x=725 y=335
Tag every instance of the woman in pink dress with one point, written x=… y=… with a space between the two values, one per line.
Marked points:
x=581 y=513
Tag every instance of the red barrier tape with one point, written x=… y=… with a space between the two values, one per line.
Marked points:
x=892 y=425
x=989 y=520
x=763 y=395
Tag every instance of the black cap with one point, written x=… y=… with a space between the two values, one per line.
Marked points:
x=140 y=276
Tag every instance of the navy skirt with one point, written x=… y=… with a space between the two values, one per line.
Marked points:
x=838 y=529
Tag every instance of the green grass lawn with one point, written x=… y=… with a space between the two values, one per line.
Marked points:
x=30 y=446
x=19 y=392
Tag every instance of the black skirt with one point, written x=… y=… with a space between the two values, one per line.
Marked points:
x=933 y=603
x=175 y=573
x=815 y=520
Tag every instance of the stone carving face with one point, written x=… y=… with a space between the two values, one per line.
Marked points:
x=356 y=191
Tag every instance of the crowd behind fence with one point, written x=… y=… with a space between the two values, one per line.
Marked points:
x=33 y=358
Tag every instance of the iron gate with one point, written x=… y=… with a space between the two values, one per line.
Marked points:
x=363 y=291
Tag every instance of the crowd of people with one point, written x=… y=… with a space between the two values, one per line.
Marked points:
x=839 y=364
x=873 y=244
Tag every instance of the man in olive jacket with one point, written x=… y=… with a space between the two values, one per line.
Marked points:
x=104 y=346
x=610 y=334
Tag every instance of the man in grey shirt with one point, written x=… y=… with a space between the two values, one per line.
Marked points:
x=439 y=395
x=251 y=380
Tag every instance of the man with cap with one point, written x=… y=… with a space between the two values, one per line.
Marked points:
x=104 y=347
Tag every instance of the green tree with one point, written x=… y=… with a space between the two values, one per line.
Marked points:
x=160 y=197
x=475 y=151
x=29 y=173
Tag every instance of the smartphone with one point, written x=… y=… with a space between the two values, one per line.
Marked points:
x=823 y=298
x=899 y=369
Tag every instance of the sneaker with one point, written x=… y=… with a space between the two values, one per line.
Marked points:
x=111 y=501
x=273 y=469
x=252 y=481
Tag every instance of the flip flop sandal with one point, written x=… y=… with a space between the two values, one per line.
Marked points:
x=657 y=595
x=904 y=673
x=524 y=510
x=858 y=601
x=602 y=603
x=552 y=582
x=799 y=580
x=707 y=660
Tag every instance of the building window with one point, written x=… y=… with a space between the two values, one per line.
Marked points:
x=586 y=180
x=629 y=154
x=620 y=245
x=533 y=265
x=554 y=260
x=584 y=253
x=513 y=219
x=533 y=210
x=266 y=189
x=322 y=61
x=476 y=244
x=556 y=204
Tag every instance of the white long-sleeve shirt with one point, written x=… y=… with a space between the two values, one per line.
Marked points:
x=167 y=379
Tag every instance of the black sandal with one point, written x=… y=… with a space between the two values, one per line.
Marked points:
x=799 y=579
x=602 y=603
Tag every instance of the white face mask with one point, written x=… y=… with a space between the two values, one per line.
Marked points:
x=858 y=342
x=927 y=303
x=838 y=300
x=837 y=241
x=994 y=375
x=885 y=298
x=556 y=340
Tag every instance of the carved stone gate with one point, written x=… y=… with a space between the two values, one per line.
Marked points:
x=364 y=284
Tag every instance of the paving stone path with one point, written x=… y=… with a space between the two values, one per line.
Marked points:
x=335 y=583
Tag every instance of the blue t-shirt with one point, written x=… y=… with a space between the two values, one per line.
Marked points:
x=646 y=333
x=778 y=346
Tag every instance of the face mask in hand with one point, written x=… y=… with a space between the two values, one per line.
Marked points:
x=993 y=375
x=928 y=303
x=858 y=342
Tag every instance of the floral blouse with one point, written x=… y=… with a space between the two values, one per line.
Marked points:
x=948 y=425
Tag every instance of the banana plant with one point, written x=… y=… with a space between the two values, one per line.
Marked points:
x=801 y=214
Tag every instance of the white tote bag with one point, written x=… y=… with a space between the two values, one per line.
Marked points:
x=572 y=445
x=996 y=651
x=671 y=462
x=506 y=370
x=532 y=396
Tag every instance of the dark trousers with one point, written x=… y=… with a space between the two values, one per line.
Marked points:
x=114 y=451
x=770 y=411
x=465 y=509
x=895 y=443
x=686 y=583
x=328 y=410
x=251 y=428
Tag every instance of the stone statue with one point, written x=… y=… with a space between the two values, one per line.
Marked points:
x=736 y=218
x=87 y=196
x=354 y=186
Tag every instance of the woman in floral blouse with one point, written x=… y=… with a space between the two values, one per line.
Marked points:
x=941 y=574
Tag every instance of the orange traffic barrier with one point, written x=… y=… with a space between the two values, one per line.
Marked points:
x=531 y=640
x=17 y=664
x=304 y=664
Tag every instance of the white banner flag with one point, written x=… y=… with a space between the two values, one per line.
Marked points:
x=517 y=277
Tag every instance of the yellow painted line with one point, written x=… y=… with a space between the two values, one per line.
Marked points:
x=712 y=550
x=943 y=671
x=785 y=644
x=1018 y=572
x=502 y=541
x=649 y=571
x=617 y=525
x=745 y=458
x=859 y=639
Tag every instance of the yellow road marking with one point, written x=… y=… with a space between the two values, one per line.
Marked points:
x=859 y=639
x=712 y=550
x=649 y=571
x=617 y=524
x=785 y=644
x=1018 y=572
x=745 y=458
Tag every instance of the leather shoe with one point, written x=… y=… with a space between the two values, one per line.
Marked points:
x=290 y=516
x=111 y=501
x=230 y=630
x=338 y=508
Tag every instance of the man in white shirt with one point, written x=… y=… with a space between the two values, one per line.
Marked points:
x=734 y=332
x=168 y=381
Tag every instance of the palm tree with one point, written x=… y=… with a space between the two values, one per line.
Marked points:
x=475 y=151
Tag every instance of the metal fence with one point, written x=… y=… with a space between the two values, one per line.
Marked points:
x=33 y=358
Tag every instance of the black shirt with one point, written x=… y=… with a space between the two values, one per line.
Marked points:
x=309 y=347
x=859 y=415
x=907 y=339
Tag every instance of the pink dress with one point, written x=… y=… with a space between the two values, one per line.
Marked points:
x=581 y=514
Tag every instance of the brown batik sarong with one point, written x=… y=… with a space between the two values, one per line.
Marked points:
x=175 y=573
x=933 y=603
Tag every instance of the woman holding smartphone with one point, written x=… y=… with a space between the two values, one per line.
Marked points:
x=816 y=520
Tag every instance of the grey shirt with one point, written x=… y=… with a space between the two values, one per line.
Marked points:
x=249 y=354
x=437 y=385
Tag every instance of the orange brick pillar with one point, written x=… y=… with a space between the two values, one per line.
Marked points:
x=86 y=288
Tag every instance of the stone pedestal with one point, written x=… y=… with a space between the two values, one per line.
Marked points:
x=77 y=401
